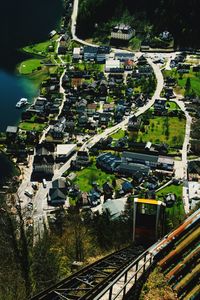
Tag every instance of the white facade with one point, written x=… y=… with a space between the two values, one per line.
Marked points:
x=112 y=64
x=77 y=53
x=122 y=32
x=65 y=149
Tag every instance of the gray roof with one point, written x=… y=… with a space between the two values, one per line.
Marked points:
x=56 y=194
x=134 y=168
x=42 y=151
x=59 y=183
x=12 y=129
x=140 y=156
x=116 y=207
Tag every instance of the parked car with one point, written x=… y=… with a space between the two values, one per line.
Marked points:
x=28 y=194
x=34 y=186
x=44 y=182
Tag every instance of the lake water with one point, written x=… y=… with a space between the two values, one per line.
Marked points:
x=22 y=22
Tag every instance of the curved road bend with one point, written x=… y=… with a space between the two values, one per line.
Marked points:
x=40 y=198
x=92 y=141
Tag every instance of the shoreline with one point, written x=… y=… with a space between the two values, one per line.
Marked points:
x=21 y=56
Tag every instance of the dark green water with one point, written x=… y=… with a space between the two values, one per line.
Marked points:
x=22 y=22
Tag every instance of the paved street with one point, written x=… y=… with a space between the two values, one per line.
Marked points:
x=181 y=172
x=26 y=184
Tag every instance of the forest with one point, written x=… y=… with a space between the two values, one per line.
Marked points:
x=179 y=17
x=28 y=266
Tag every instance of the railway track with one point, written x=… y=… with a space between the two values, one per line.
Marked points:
x=92 y=278
x=112 y=277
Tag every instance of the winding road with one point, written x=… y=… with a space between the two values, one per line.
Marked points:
x=181 y=166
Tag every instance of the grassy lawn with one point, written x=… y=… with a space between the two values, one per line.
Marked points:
x=37 y=76
x=109 y=99
x=89 y=67
x=174 y=189
x=172 y=106
x=31 y=126
x=40 y=48
x=87 y=176
x=29 y=66
x=156 y=131
x=118 y=135
x=177 y=210
x=195 y=82
x=194 y=79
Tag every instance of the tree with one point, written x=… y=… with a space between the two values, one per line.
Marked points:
x=45 y=264
x=188 y=85
x=12 y=283
x=114 y=183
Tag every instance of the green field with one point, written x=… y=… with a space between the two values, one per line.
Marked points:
x=118 y=135
x=176 y=213
x=174 y=189
x=181 y=79
x=89 y=67
x=31 y=126
x=195 y=82
x=156 y=131
x=172 y=106
x=29 y=66
x=87 y=176
x=40 y=48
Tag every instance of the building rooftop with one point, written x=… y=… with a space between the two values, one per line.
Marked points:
x=112 y=63
x=65 y=149
x=116 y=207
x=140 y=156
x=12 y=129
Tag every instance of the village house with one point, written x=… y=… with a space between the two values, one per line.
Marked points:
x=109 y=107
x=113 y=65
x=107 y=190
x=90 y=53
x=160 y=107
x=136 y=170
x=134 y=123
x=108 y=161
x=77 y=53
x=11 y=133
x=64 y=151
x=81 y=106
x=58 y=193
x=82 y=158
x=104 y=118
x=91 y=109
x=102 y=54
x=43 y=163
x=128 y=65
x=83 y=120
x=140 y=158
x=124 y=56
x=122 y=32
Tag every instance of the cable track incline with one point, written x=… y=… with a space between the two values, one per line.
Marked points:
x=89 y=279
x=114 y=276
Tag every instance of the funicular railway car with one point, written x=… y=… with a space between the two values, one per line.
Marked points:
x=148 y=220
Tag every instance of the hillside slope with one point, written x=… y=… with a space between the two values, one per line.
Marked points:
x=179 y=17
